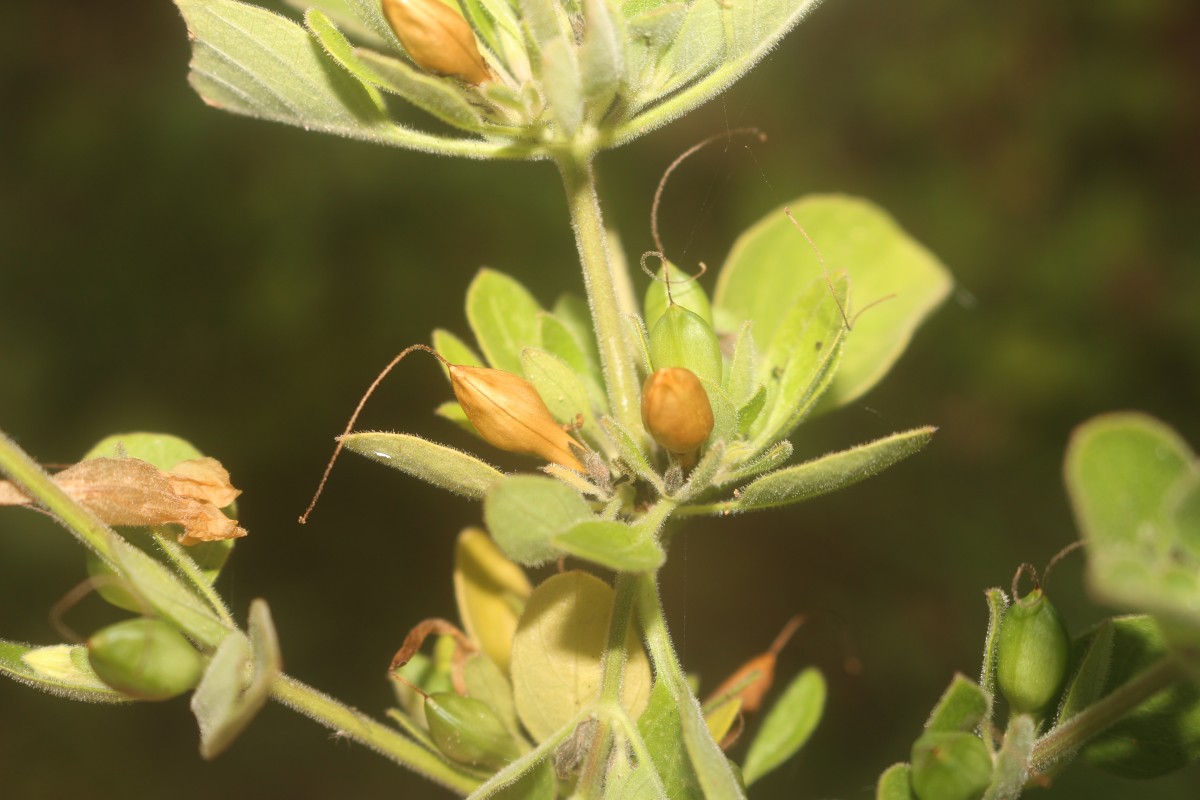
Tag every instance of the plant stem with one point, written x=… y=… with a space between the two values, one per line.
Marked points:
x=381 y=738
x=616 y=351
x=36 y=483
x=1069 y=736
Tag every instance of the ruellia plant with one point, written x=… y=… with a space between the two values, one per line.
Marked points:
x=639 y=404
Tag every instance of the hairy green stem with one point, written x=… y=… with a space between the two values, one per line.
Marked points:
x=36 y=483
x=616 y=351
x=1065 y=739
x=612 y=676
x=351 y=724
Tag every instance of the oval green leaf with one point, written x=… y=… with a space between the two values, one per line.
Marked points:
x=556 y=658
x=787 y=726
x=525 y=512
x=620 y=547
x=856 y=236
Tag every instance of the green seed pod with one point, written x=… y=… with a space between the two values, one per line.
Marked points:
x=1032 y=652
x=682 y=338
x=950 y=766
x=687 y=293
x=145 y=658
x=469 y=731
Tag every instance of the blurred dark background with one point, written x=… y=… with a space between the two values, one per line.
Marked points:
x=168 y=267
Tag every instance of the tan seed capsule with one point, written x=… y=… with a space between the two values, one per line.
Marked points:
x=510 y=414
x=437 y=38
x=675 y=410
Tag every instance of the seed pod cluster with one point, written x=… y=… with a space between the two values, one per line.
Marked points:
x=1032 y=652
x=437 y=38
x=145 y=658
x=510 y=414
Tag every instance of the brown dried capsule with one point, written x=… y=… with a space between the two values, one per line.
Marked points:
x=510 y=414
x=437 y=38
x=676 y=411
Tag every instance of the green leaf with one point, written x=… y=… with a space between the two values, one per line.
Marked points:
x=649 y=32
x=341 y=14
x=773 y=457
x=225 y=702
x=455 y=350
x=60 y=669
x=559 y=338
x=556 y=657
x=370 y=15
x=1124 y=473
x=525 y=512
x=631 y=453
x=662 y=730
x=742 y=32
x=894 y=783
x=713 y=770
x=1093 y=657
x=487 y=683
x=748 y=413
x=563 y=393
x=435 y=96
x=1162 y=734
x=164 y=592
x=829 y=473
x=602 y=54
x=444 y=467
x=504 y=318
x=856 y=236
x=725 y=415
x=961 y=708
x=251 y=61
x=620 y=547
x=741 y=382
x=801 y=361
x=787 y=726
x=452 y=411
x=572 y=310
x=563 y=85
x=1012 y=762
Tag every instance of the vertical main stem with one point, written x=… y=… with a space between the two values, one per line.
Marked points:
x=616 y=351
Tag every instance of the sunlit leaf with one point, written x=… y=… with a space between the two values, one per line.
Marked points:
x=60 y=669
x=556 y=656
x=491 y=592
x=855 y=237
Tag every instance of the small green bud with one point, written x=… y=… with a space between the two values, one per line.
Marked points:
x=1032 y=652
x=469 y=731
x=682 y=338
x=950 y=766
x=687 y=293
x=145 y=658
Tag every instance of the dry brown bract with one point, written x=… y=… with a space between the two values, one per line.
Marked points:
x=129 y=491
